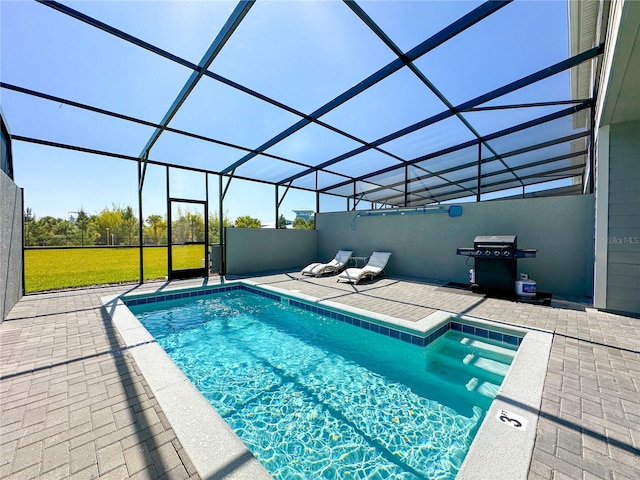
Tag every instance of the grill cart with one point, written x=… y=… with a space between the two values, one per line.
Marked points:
x=495 y=262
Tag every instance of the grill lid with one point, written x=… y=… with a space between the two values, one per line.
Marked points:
x=496 y=240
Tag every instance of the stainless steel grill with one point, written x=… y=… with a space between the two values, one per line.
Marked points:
x=495 y=261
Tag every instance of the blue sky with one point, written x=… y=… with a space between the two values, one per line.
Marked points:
x=300 y=53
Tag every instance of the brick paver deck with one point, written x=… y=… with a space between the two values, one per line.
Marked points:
x=74 y=405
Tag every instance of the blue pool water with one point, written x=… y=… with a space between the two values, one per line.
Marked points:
x=313 y=397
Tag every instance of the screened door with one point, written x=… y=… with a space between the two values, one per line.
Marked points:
x=188 y=227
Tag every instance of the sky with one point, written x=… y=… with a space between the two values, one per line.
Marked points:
x=301 y=53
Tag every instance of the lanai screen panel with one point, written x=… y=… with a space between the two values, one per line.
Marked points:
x=391 y=102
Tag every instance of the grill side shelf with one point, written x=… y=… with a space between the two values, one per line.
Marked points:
x=520 y=253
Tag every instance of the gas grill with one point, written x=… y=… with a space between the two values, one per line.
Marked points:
x=496 y=261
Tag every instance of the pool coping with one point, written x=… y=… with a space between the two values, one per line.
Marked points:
x=498 y=450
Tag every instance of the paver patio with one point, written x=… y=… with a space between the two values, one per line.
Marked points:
x=74 y=404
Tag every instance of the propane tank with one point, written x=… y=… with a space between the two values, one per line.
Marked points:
x=472 y=276
x=525 y=287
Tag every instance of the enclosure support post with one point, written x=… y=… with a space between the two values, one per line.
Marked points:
x=169 y=229
x=317 y=195
x=140 y=234
x=479 y=171
x=221 y=226
x=223 y=193
x=406 y=184
x=277 y=204
x=354 y=195
x=207 y=248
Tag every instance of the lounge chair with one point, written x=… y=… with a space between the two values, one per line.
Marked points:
x=335 y=265
x=374 y=267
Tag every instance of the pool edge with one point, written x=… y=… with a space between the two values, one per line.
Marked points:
x=497 y=449
x=501 y=450
x=212 y=446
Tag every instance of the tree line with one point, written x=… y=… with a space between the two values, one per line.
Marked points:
x=119 y=225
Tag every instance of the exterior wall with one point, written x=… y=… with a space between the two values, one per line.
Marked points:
x=424 y=245
x=623 y=235
x=10 y=244
x=254 y=250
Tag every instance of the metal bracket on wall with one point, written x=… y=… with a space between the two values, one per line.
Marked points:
x=451 y=210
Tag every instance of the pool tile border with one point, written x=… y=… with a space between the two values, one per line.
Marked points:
x=211 y=445
x=520 y=393
x=418 y=340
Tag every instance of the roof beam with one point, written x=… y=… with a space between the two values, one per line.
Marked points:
x=439 y=173
x=192 y=66
x=102 y=111
x=442 y=36
x=221 y=39
x=559 y=174
x=114 y=31
x=416 y=71
x=513 y=86
x=459 y=183
x=493 y=136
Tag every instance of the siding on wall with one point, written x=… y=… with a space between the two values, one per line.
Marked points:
x=10 y=244
x=623 y=257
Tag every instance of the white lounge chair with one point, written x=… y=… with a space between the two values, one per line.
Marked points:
x=374 y=267
x=335 y=265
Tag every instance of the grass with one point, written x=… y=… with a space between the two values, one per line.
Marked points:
x=52 y=269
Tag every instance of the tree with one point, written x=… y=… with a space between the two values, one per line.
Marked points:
x=107 y=222
x=82 y=224
x=282 y=222
x=302 y=224
x=158 y=225
x=28 y=220
x=246 y=221
x=214 y=226
x=129 y=225
x=196 y=227
x=63 y=232
x=51 y=231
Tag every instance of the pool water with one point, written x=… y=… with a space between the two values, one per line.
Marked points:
x=314 y=397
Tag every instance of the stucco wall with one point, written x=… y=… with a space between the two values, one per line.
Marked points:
x=424 y=245
x=10 y=244
x=253 y=250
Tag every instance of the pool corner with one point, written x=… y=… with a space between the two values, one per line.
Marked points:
x=503 y=446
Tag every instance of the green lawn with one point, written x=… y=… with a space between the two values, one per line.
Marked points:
x=50 y=269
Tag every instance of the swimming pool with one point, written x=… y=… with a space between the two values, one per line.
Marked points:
x=340 y=395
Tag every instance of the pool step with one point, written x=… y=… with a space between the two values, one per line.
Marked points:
x=455 y=391
x=465 y=362
x=469 y=367
x=490 y=349
x=472 y=376
x=455 y=367
x=486 y=389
